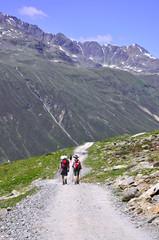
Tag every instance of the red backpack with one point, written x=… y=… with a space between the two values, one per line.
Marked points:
x=64 y=163
x=77 y=164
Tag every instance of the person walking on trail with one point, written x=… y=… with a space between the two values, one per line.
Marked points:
x=64 y=168
x=70 y=158
x=76 y=168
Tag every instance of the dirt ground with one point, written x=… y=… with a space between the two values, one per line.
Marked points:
x=85 y=211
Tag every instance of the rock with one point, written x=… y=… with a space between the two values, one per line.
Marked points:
x=155 y=190
x=138 y=178
x=130 y=193
x=143 y=165
x=142 y=187
x=155 y=174
x=119 y=167
x=155 y=209
x=139 y=210
x=2 y=211
x=125 y=183
x=115 y=167
x=156 y=164
x=9 y=195
x=156 y=198
x=151 y=219
x=150 y=138
x=14 y=192
x=35 y=181
x=156 y=221
x=9 y=209
x=151 y=192
x=145 y=146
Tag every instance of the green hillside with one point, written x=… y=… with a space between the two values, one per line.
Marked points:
x=46 y=104
x=90 y=104
x=114 y=157
x=17 y=176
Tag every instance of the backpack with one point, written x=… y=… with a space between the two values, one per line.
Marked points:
x=77 y=165
x=64 y=163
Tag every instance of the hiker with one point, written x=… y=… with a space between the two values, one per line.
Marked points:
x=70 y=158
x=76 y=168
x=64 y=168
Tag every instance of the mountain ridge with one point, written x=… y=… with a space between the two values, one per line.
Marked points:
x=133 y=58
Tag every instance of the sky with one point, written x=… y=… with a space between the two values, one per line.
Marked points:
x=119 y=22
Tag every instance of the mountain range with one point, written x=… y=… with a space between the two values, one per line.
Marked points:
x=56 y=92
x=132 y=58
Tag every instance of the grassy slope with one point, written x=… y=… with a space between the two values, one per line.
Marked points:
x=105 y=154
x=18 y=175
x=97 y=103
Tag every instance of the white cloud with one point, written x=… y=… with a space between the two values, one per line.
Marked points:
x=32 y=12
x=99 y=39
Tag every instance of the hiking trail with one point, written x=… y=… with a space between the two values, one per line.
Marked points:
x=71 y=212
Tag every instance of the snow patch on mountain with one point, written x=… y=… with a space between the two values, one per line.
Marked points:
x=149 y=55
x=75 y=56
x=55 y=60
x=91 y=58
x=64 y=51
x=80 y=48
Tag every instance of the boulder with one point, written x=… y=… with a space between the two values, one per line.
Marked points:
x=130 y=193
x=151 y=192
x=125 y=183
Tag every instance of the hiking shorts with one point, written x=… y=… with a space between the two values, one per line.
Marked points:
x=64 y=171
x=76 y=172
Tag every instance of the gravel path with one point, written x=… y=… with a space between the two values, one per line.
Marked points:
x=81 y=212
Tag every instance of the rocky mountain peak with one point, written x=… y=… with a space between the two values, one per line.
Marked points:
x=13 y=22
x=133 y=58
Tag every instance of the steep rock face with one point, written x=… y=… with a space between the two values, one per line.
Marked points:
x=22 y=26
x=61 y=40
x=114 y=54
x=131 y=58
x=92 y=49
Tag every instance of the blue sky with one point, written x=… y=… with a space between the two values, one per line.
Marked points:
x=120 y=22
